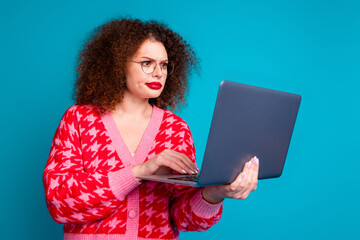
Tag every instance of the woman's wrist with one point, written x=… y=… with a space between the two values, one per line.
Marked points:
x=212 y=195
x=138 y=171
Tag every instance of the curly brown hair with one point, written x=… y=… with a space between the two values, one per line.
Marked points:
x=100 y=77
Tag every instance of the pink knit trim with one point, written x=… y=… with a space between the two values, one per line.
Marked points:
x=147 y=141
x=79 y=236
x=132 y=222
x=202 y=208
x=122 y=182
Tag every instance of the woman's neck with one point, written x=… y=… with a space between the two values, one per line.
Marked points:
x=133 y=107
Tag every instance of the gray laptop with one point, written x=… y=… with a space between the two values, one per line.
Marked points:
x=247 y=121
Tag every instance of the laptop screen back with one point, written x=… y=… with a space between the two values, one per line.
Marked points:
x=248 y=121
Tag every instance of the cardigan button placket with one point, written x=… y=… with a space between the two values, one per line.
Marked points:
x=132 y=213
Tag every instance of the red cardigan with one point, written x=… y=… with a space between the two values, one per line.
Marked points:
x=91 y=189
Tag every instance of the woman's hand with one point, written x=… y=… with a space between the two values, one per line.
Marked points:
x=239 y=189
x=164 y=163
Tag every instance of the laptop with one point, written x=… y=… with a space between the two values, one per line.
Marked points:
x=247 y=121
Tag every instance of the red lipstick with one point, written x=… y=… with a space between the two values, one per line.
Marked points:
x=154 y=85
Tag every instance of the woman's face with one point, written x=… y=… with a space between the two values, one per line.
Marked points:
x=147 y=85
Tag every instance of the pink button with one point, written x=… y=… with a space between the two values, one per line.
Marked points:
x=132 y=213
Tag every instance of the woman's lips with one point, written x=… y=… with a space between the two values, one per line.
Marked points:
x=154 y=85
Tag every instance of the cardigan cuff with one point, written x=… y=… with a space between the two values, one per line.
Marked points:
x=202 y=208
x=122 y=182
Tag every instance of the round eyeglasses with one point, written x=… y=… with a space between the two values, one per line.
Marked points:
x=150 y=66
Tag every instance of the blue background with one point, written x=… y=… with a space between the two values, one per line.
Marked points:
x=305 y=47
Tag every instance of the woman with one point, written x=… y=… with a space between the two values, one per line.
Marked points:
x=128 y=72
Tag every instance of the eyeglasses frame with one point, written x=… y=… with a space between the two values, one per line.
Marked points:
x=173 y=67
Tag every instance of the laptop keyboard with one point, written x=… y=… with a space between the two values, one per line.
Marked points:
x=192 y=178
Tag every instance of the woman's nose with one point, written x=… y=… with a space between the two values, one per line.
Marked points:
x=157 y=72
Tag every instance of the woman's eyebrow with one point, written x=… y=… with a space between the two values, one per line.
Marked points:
x=165 y=60
x=147 y=58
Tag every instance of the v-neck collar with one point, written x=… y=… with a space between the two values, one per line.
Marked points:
x=146 y=142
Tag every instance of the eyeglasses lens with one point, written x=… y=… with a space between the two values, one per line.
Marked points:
x=150 y=68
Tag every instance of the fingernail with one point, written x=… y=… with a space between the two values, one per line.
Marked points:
x=242 y=175
x=256 y=161
x=183 y=171
x=196 y=171
x=249 y=164
x=191 y=171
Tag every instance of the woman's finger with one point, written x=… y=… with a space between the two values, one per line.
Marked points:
x=174 y=160
x=190 y=166
x=256 y=167
x=239 y=183
x=245 y=182
x=245 y=178
x=184 y=158
x=242 y=177
x=253 y=173
x=252 y=179
x=167 y=161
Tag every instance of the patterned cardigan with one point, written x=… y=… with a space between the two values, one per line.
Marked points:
x=91 y=189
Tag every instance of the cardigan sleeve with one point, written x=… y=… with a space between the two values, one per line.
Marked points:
x=74 y=195
x=189 y=211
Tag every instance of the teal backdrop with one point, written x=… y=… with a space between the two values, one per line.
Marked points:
x=308 y=47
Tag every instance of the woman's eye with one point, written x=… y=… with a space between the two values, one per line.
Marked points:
x=146 y=63
x=164 y=65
